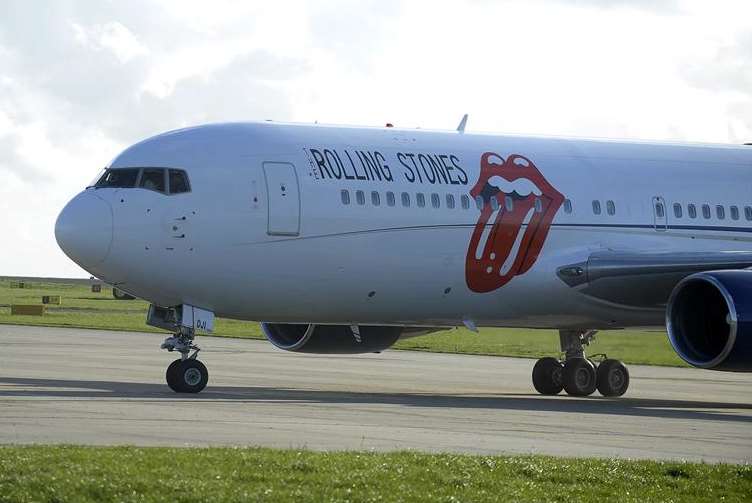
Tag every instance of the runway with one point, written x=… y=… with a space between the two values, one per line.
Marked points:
x=100 y=387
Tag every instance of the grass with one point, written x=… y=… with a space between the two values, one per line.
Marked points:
x=83 y=309
x=64 y=473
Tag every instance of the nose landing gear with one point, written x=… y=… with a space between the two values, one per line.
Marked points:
x=577 y=375
x=187 y=374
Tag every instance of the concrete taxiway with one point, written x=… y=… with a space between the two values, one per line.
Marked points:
x=100 y=387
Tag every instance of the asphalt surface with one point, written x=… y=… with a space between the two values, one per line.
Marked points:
x=99 y=387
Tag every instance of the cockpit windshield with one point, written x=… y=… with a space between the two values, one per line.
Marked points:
x=118 y=178
x=96 y=178
x=163 y=180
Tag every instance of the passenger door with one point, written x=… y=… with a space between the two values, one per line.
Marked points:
x=284 y=198
x=660 y=214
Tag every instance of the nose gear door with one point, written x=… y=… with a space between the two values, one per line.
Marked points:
x=283 y=197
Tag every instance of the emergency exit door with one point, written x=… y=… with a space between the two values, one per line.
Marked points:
x=660 y=215
x=284 y=198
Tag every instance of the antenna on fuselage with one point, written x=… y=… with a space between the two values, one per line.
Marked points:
x=463 y=123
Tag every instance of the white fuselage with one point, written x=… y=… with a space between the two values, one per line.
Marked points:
x=265 y=234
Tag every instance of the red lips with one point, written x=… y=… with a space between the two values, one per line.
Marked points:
x=508 y=250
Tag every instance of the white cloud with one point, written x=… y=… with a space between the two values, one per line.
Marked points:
x=112 y=36
x=80 y=80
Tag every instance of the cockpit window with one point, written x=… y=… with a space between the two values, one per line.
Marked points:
x=156 y=179
x=96 y=179
x=118 y=178
x=153 y=179
x=178 y=182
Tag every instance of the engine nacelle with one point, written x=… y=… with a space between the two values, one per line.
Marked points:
x=337 y=339
x=709 y=320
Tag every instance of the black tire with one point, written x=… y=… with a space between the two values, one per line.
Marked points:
x=192 y=376
x=173 y=377
x=121 y=295
x=579 y=377
x=612 y=378
x=547 y=376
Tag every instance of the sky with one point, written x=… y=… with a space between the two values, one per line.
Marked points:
x=82 y=80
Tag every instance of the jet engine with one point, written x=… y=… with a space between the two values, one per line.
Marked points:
x=709 y=320
x=337 y=339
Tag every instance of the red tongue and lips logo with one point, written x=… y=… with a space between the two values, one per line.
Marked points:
x=508 y=250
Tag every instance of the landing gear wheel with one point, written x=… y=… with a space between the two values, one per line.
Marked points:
x=579 y=377
x=187 y=376
x=612 y=378
x=173 y=380
x=547 y=376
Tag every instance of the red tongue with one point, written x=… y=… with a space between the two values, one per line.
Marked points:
x=485 y=272
x=510 y=225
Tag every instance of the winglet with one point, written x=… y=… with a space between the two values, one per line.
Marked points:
x=463 y=123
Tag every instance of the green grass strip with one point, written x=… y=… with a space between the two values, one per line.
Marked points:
x=81 y=308
x=130 y=474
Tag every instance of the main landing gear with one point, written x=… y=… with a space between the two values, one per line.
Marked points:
x=186 y=375
x=577 y=375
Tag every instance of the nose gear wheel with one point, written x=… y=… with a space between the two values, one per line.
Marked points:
x=187 y=374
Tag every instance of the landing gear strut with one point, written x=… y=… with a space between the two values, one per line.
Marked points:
x=186 y=375
x=577 y=375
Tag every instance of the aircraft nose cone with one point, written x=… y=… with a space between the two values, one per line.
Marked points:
x=84 y=229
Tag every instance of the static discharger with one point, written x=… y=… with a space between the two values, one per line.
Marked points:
x=470 y=325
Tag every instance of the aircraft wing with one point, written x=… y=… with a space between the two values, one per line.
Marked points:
x=644 y=279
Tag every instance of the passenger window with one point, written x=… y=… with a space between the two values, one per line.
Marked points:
x=420 y=199
x=610 y=207
x=692 y=210
x=390 y=198
x=153 y=179
x=178 y=181
x=677 y=210
x=748 y=212
x=706 y=211
x=538 y=205
x=567 y=206
x=465 y=201
x=509 y=203
x=118 y=179
x=450 y=201
x=597 y=207
x=345 y=195
x=435 y=200
x=734 y=210
x=720 y=212
x=494 y=203
x=479 y=202
x=360 y=197
x=375 y=198
x=659 y=210
x=405 y=199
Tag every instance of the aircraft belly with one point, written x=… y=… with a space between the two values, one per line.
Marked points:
x=400 y=277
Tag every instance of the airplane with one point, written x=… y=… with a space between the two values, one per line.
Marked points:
x=344 y=240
